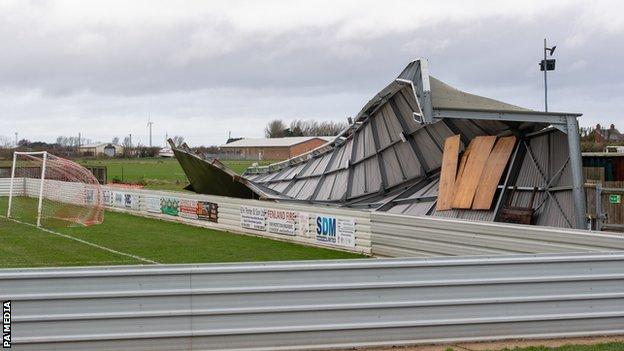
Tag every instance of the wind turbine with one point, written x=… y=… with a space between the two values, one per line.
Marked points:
x=149 y=125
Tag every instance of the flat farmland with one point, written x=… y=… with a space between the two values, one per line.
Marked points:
x=156 y=173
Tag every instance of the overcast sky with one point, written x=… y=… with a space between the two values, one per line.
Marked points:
x=201 y=69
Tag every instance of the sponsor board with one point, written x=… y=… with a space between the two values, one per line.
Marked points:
x=123 y=200
x=152 y=204
x=188 y=208
x=207 y=211
x=281 y=221
x=108 y=198
x=89 y=196
x=131 y=201
x=253 y=218
x=118 y=199
x=304 y=225
x=339 y=231
x=169 y=206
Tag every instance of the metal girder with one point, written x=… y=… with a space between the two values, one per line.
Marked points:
x=417 y=76
x=555 y=119
x=576 y=164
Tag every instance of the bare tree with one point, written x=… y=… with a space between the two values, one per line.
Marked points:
x=178 y=140
x=313 y=128
x=328 y=128
x=5 y=142
x=275 y=129
x=115 y=141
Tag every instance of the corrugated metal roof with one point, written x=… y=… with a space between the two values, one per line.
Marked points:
x=444 y=96
x=388 y=161
x=273 y=142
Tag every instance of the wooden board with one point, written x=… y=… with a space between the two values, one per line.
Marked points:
x=494 y=168
x=471 y=175
x=461 y=167
x=448 y=173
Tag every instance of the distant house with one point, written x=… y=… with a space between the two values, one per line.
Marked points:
x=166 y=152
x=272 y=148
x=611 y=135
x=101 y=149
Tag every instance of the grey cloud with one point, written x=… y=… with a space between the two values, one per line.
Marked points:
x=208 y=70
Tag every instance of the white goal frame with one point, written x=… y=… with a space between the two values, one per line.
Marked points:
x=42 y=180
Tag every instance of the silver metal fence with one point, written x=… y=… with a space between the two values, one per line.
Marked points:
x=314 y=305
x=408 y=236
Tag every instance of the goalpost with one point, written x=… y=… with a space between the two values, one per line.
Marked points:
x=44 y=187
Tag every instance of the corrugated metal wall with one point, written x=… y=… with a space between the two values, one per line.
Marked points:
x=407 y=236
x=303 y=305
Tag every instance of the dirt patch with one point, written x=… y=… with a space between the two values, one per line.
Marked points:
x=499 y=345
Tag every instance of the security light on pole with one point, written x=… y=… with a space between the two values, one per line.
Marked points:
x=547 y=65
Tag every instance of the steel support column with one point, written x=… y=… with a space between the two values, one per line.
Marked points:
x=576 y=164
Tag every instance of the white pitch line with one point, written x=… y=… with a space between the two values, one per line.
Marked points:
x=86 y=242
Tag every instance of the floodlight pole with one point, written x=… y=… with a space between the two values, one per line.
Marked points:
x=43 y=170
x=545 y=78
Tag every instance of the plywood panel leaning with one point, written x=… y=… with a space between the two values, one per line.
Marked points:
x=494 y=168
x=471 y=176
x=448 y=173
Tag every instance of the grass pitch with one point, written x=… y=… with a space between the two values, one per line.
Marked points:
x=127 y=239
x=150 y=239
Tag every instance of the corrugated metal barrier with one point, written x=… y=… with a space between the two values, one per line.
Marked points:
x=407 y=236
x=303 y=305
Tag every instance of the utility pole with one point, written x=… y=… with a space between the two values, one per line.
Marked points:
x=79 y=138
x=547 y=65
x=130 y=135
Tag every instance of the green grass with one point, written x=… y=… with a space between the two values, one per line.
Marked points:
x=25 y=246
x=156 y=240
x=610 y=346
x=155 y=173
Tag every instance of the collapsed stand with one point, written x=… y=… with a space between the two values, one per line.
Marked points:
x=48 y=189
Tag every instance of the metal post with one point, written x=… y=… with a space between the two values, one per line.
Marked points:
x=11 y=186
x=576 y=162
x=599 y=215
x=545 y=79
x=43 y=170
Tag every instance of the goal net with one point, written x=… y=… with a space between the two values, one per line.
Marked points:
x=48 y=190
